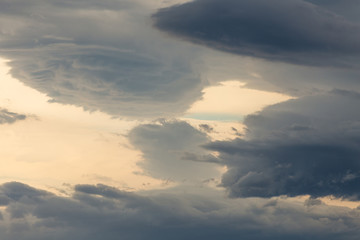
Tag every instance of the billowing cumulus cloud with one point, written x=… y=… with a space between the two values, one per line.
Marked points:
x=303 y=146
x=103 y=212
x=101 y=56
x=292 y=31
x=10 y=117
x=172 y=150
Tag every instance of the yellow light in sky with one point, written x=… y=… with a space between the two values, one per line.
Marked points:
x=61 y=144
x=64 y=144
x=230 y=100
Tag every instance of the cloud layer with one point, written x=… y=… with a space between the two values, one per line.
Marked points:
x=101 y=56
x=108 y=56
x=95 y=212
x=303 y=146
x=292 y=31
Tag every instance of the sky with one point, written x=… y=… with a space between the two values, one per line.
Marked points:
x=178 y=119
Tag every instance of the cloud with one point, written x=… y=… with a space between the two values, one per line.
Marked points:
x=346 y=8
x=206 y=128
x=304 y=146
x=292 y=31
x=101 y=212
x=101 y=56
x=10 y=117
x=171 y=150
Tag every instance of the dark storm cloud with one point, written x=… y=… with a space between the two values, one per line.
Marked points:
x=171 y=150
x=10 y=117
x=101 y=56
x=346 y=8
x=303 y=146
x=92 y=214
x=291 y=31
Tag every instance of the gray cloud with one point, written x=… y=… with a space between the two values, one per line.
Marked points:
x=103 y=212
x=101 y=56
x=171 y=150
x=206 y=128
x=303 y=146
x=347 y=8
x=292 y=31
x=10 y=117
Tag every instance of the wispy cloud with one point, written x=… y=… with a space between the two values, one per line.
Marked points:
x=10 y=117
x=172 y=149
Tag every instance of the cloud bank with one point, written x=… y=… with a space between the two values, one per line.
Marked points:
x=299 y=147
x=292 y=31
x=101 y=56
x=101 y=212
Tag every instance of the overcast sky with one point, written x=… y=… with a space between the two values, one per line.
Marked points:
x=175 y=119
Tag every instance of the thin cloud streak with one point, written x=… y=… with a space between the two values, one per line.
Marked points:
x=10 y=117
